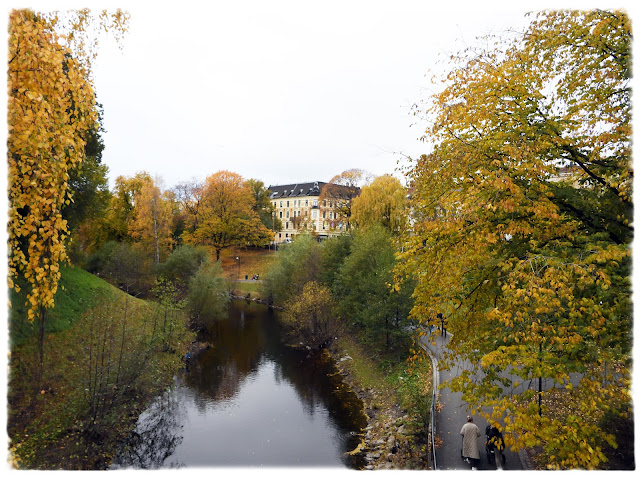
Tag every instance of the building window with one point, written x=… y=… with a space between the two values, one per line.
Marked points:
x=306 y=203
x=287 y=213
x=286 y=235
x=281 y=203
x=279 y=235
x=315 y=203
x=280 y=214
x=286 y=225
x=315 y=214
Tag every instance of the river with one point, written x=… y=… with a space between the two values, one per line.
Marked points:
x=249 y=401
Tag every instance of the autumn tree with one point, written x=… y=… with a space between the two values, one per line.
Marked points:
x=311 y=318
x=51 y=109
x=227 y=217
x=121 y=211
x=188 y=196
x=522 y=229
x=150 y=222
x=341 y=190
x=263 y=206
x=384 y=202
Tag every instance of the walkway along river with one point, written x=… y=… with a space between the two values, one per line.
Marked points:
x=249 y=401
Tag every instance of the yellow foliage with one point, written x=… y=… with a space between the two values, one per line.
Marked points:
x=529 y=268
x=51 y=107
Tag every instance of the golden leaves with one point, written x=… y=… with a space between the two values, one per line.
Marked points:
x=51 y=106
x=530 y=275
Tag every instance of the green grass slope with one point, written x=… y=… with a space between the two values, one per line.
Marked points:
x=78 y=291
x=61 y=423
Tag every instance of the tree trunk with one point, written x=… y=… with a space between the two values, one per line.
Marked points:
x=42 y=316
x=156 y=241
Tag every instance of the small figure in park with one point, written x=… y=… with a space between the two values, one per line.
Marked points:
x=443 y=325
x=470 y=452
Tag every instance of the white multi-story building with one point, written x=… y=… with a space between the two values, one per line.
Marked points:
x=301 y=209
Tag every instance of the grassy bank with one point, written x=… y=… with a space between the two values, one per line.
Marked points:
x=239 y=273
x=106 y=355
x=250 y=261
x=393 y=401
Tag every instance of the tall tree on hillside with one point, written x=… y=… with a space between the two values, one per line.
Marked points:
x=382 y=202
x=227 y=217
x=151 y=221
x=522 y=228
x=188 y=195
x=121 y=210
x=90 y=196
x=51 y=109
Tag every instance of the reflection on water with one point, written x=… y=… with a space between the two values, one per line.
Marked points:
x=249 y=401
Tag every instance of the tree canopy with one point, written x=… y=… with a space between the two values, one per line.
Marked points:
x=522 y=227
x=383 y=202
x=226 y=215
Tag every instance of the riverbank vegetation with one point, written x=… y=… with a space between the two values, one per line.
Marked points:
x=339 y=294
x=107 y=353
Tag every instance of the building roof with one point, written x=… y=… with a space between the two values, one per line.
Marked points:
x=310 y=189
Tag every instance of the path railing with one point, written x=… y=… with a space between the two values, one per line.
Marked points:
x=434 y=400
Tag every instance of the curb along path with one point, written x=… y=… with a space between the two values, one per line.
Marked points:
x=452 y=416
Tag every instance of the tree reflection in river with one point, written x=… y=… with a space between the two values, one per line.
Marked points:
x=250 y=400
x=155 y=437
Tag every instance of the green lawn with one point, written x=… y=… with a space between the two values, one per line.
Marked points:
x=78 y=291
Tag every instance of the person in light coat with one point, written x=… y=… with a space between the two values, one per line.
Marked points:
x=470 y=433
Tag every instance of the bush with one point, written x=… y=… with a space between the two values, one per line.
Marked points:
x=310 y=318
x=97 y=262
x=296 y=265
x=208 y=296
x=181 y=265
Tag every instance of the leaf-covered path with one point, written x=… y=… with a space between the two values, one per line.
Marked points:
x=452 y=416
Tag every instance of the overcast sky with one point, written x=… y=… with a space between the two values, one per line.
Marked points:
x=284 y=92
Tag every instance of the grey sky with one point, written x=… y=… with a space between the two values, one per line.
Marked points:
x=282 y=91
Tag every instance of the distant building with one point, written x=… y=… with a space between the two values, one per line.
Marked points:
x=301 y=209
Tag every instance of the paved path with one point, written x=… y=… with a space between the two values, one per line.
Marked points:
x=453 y=415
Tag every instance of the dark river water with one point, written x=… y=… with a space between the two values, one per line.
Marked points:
x=249 y=401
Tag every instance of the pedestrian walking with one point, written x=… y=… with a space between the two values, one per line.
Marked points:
x=443 y=325
x=470 y=451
